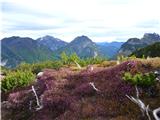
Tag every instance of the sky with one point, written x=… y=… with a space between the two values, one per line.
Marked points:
x=100 y=20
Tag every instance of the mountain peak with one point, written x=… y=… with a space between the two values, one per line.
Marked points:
x=51 y=42
x=82 y=46
x=81 y=39
x=48 y=37
x=151 y=35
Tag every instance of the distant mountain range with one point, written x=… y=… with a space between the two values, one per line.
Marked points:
x=24 y=49
x=109 y=50
x=135 y=43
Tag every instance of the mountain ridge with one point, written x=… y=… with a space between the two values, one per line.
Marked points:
x=17 y=49
x=133 y=44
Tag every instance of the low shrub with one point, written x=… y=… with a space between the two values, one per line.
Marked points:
x=140 y=79
x=17 y=79
x=38 y=67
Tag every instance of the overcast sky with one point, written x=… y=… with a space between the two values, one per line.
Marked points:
x=100 y=20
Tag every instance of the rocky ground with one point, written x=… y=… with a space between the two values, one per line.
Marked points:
x=97 y=93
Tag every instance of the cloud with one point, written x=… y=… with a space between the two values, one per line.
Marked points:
x=11 y=8
x=149 y=24
x=28 y=25
x=101 y=20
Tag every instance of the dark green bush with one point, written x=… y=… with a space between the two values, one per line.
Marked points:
x=17 y=79
x=140 y=79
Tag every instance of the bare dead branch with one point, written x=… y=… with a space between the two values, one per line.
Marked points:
x=37 y=100
x=92 y=84
x=155 y=113
x=144 y=109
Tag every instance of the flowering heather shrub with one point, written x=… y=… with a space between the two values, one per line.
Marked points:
x=122 y=90
x=84 y=89
x=134 y=66
x=68 y=115
x=104 y=81
x=45 y=83
x=20 y=99
x=54 y=101
x=43 y=114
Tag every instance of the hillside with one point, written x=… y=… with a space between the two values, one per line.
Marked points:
x=151 y=51
x=17 y=49
x=134 y=44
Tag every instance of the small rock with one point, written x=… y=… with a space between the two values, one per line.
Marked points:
x=40 y=74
